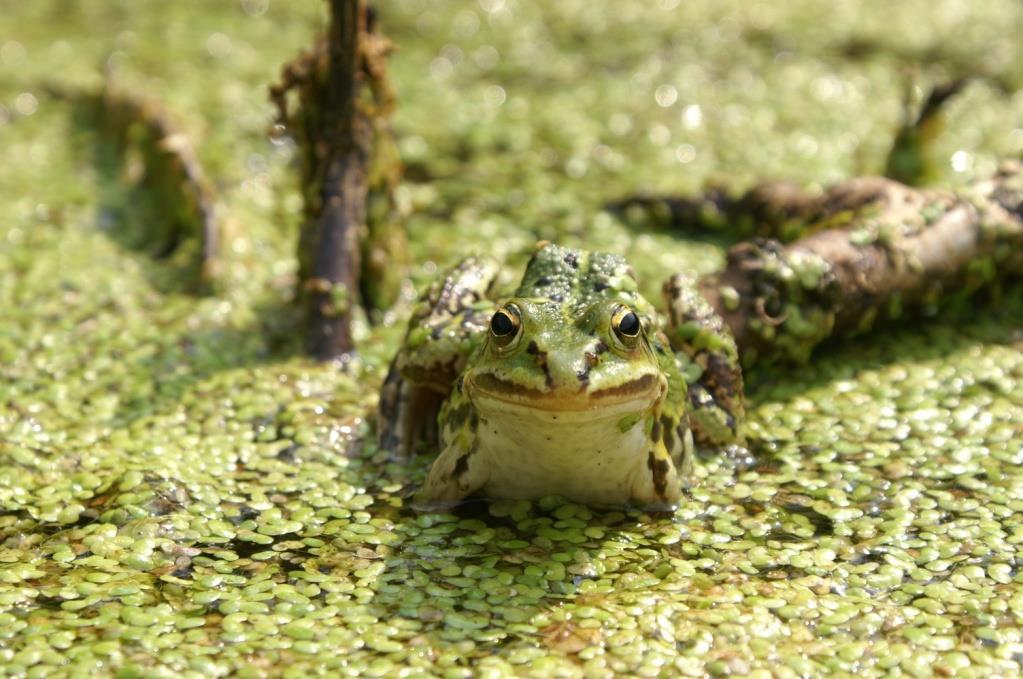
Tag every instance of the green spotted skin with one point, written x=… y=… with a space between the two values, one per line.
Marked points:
x=585 y=397
x=709 y=360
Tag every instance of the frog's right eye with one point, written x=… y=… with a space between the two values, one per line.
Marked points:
x=626 y=325
x=504 y=325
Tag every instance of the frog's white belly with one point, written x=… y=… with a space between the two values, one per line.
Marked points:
x=582 y=455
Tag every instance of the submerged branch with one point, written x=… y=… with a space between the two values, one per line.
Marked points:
x=162 y=164
x=899 y=250
x=911 y=158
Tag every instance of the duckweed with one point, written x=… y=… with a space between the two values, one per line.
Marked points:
x=183 y=494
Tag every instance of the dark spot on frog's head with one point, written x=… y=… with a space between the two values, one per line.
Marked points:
x=599 y=348
x=437 y=331
x=543 y=280
x=683 y=434
x=600 y=286
x=584 y=374
x=532 y=348
x=557 y=297
x=572 y=259
x=655 y=431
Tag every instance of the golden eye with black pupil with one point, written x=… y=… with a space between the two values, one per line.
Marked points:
x=504 y=325
x=626 y=325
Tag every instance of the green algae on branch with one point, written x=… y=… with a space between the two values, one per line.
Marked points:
x=152 y=151
x=900 y=250
x=871 y=249
x=385 y=255
x=347 y=158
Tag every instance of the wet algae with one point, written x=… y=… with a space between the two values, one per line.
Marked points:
x=182 y=494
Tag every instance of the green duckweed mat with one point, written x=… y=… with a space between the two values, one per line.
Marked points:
x=183 y=494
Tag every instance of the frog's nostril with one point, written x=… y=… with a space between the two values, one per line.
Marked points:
x=541 y=360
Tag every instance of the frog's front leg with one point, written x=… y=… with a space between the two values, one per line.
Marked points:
x=460 y=470
x=709 y=360
x=447 y=325
x=667 y=470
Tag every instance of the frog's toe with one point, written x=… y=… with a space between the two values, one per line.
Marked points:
x=657 y=487
x=423 y=505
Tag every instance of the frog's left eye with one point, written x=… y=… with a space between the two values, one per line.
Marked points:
x=505 y=324
x=626 y=325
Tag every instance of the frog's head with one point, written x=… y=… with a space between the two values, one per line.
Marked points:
x=574 y=337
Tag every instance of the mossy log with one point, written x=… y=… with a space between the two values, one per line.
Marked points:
x=343 y=100
x=876 y=249
x=334 y=137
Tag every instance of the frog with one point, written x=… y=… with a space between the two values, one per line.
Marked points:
x=573 y=385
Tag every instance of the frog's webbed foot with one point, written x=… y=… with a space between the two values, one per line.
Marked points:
x=455 y=475
x=709 y=361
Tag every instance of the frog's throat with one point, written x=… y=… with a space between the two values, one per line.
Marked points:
x=640 y=392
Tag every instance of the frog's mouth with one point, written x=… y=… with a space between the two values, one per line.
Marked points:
x=642 y=391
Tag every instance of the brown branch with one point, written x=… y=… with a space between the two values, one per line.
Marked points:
x=172 y=176
x=334 y=137
x=900 y=250
x=341 y=128
x=769 y=210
